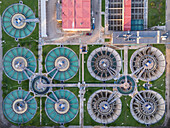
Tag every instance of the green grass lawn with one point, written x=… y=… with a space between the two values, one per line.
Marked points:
x=107 y=40
x=130 y=52
x=156 y=12
x=103 y=5
x=103 y=21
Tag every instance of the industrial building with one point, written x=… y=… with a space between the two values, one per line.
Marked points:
x=126 y=15
x=76 y=15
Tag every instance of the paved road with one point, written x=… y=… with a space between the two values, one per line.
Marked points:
x=168 y=18
x=168 y=59
x=168 y=14
x=167 y=82
x=81 y=115
x=1 y=70
x=82 y=67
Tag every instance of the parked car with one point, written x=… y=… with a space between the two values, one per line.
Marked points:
x=93 y=20
x=93 y=26
x=92 y=13
x=88 y=34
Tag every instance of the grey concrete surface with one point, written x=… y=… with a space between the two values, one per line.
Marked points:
x=167 y=115
x=168 y=15
x=82 y=67
x=168 y=18
x=144 y=37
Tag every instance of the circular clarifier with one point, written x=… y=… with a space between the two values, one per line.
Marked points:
x=147 y=107
x=62 y=63
x=37 y=84
x=19 y=63
x=18 y=21
x=104 y=106
x=61 y=106
x=104 y=63
x=127 y=85
x=19 y=106
x=147 y=63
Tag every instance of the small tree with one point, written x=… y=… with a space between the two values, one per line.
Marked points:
x=153 y=4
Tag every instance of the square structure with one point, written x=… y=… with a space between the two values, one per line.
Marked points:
x=76 y=15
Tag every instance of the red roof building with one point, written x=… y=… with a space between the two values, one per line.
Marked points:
x=76 y=15
x=127 y=15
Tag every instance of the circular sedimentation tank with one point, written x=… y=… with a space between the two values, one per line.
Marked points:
x=19 y=63
x=147 y=107
x=62 y=63
x=62 y=106
x=14 y=21
x=104 y=63
x=127 y=85
x=104 y=106
x=19 y=106
x=37 y=84
x=147 y=63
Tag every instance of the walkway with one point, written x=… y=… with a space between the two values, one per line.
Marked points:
x=40 y=58
x=86 y=85
x=125 y=60
x=81 y=117
x=82 y=67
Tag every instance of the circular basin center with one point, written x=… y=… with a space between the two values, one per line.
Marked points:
x=104 y=63
x=62 y=63
x=62 y=106
x=19 y=63
x=149 y=64
x=19 y=106
x=148 y=108
x=38 y=84
x=18 y=21
x=104 y=107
